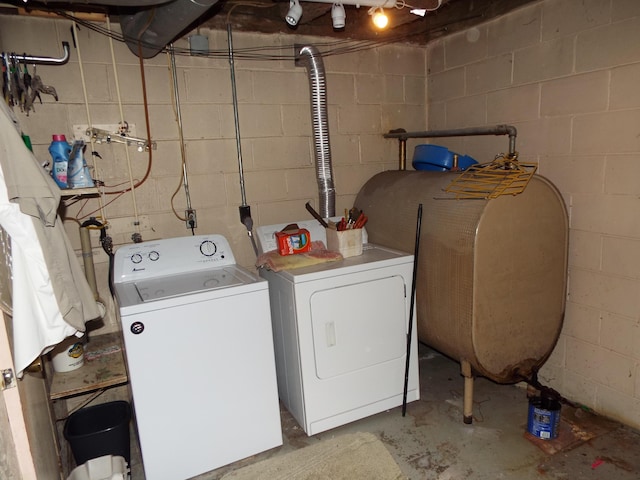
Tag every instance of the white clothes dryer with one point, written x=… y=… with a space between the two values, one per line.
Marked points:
x=199 y=349
x=340 y=334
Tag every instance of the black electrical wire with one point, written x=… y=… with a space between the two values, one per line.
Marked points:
x=338 y=47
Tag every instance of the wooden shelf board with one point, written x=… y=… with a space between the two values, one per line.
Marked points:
x=103 y=367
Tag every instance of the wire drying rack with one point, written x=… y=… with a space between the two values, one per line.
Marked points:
x=503 y=176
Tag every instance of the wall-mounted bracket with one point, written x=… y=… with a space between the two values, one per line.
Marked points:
x=104 y=136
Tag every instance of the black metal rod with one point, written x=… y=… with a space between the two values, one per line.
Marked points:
x=411 y=308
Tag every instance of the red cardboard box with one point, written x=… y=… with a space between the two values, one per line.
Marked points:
x=293 y=241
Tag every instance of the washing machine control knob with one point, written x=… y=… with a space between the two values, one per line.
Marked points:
x=153 y=255
x=208 y=248
x=136 y=258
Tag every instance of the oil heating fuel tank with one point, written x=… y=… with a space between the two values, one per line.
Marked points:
x=492 y=274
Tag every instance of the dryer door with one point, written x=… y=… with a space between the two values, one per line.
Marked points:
x=358 y=326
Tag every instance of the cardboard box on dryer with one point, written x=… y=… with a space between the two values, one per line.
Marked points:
x=293 y=240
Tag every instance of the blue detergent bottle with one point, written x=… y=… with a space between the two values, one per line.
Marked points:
x=78 y=175
x=59 y=150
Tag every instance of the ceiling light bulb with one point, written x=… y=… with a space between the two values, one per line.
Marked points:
x=338 y=16
x=380 y=20
x=294 y=13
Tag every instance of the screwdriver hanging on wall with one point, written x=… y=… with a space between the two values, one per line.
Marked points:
x=191 y=219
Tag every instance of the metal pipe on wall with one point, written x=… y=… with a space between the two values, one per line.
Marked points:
x=236 y=116
x=402 y=137
x=176 y=97
x=244 y=209
x=39 y=60
x=87 y=260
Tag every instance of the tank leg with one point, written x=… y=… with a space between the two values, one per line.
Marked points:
x=468 y=392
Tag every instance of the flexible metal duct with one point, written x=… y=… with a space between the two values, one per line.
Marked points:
x=156 y=27
x=309 y=57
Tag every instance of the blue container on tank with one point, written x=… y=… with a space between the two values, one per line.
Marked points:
x=432 y=157
x=59 y=150
x=437 y=158
x=465 y=161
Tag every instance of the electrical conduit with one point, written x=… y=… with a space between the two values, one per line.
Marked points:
x=244 y=209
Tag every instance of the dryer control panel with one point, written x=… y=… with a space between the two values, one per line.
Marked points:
x=171 y=256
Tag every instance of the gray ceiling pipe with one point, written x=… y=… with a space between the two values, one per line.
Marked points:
x=156 y=27
x=309 y=57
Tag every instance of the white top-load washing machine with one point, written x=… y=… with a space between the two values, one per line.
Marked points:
x=199 y=350
x=340 y=333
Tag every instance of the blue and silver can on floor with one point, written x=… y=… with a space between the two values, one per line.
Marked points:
x=544 y=417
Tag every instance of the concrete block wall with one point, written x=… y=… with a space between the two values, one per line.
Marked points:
x=565 y=73
x=369 y=92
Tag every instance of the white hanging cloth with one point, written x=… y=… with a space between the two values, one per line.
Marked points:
x=51 y=297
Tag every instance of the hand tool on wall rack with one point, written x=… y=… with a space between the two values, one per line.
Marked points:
x=6 y=79
x=39 y=86
x=20 y=88
x=17 y=85
x=411 y=308
x=36 y=88
x=26 y=83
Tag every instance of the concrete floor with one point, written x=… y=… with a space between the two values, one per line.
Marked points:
x=431 y=442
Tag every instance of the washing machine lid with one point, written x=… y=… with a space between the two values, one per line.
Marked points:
x=173 y=289
x=177 y=285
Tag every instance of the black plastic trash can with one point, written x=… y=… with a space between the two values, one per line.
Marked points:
x=99 y=430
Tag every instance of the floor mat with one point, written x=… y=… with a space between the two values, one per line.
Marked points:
x=357 y=456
